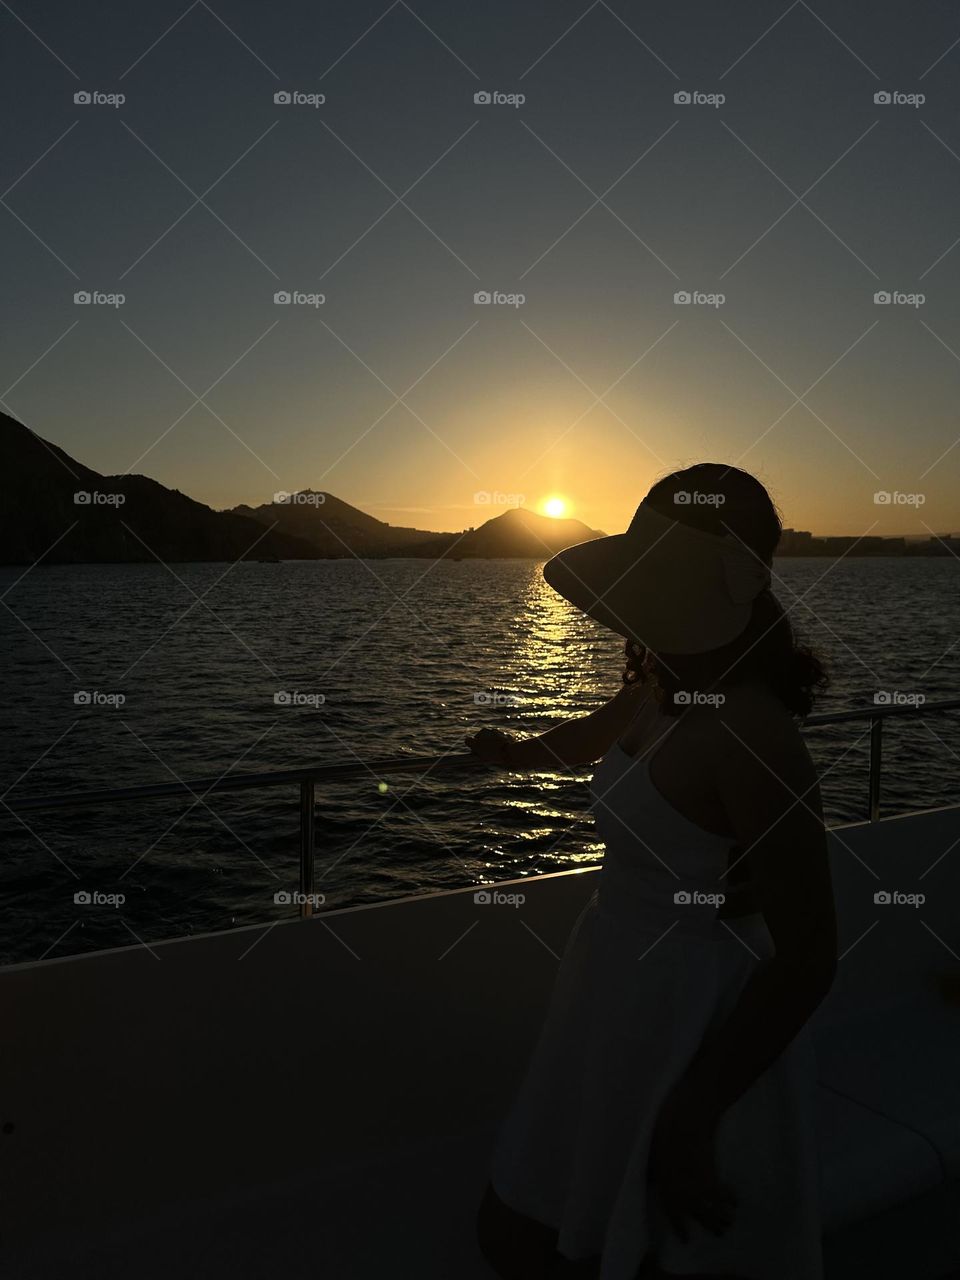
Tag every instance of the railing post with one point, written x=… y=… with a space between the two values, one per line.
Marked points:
x=876 y=749
x=306 y=846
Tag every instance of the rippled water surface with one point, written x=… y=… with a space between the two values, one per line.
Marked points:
x=400 y=651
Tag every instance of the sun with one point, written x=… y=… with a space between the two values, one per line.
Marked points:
x=555 y=506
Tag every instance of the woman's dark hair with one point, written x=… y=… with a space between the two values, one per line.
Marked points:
x=731 y=503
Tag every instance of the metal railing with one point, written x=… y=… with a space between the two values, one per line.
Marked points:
x=876 y=715
x=308 y=777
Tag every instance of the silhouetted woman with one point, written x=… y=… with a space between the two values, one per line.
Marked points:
x=665 y=1125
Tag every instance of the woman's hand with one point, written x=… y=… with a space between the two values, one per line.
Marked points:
x=683 y=1173
x=492 y=746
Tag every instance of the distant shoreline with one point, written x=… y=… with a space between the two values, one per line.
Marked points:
x=941 y=553
x=58 y=511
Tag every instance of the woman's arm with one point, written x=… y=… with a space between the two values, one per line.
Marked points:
x=768 y=786
x=573 y=742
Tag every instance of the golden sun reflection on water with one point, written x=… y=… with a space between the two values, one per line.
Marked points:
x=559 y=665
x=563 y=664
x=554 y=664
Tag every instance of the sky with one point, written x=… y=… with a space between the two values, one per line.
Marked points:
x=781 y=198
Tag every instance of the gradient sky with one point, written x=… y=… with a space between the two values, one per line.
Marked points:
x=598 y=199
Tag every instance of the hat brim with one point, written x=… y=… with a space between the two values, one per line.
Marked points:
x=663 y=584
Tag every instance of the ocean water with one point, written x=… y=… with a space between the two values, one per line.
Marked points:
x=380 y=659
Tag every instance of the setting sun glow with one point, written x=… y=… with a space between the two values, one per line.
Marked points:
x=555 y=506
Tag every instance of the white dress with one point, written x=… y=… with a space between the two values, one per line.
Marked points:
x=643 y=979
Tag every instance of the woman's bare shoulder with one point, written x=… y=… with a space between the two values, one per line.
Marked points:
x=755 y=702
x=627 y=703
x=753 y=733
x=634 y=692
x=753 y=715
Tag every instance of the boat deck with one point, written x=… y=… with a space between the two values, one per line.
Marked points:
x=320 y=1097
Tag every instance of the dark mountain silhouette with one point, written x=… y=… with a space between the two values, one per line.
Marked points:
x=523 y=533
x=336 y=529
x=40 y=518
x=59 y=511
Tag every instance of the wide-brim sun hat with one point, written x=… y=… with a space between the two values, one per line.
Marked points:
x=663 y=583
